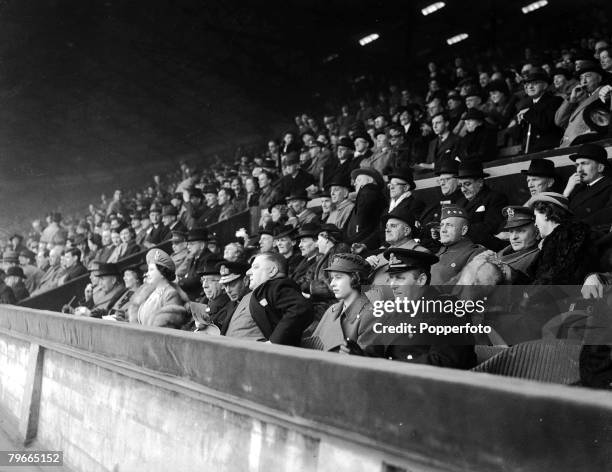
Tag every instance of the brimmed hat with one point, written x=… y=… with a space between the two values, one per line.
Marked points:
x=540 y=168
x=594 y=152
x=284 y=231
x=517 y=216
x=323 y=193
x=15 y=271
x=366 y=137
x=308 y=230
x=169 y=210
x=106 y=268
x=474 y=114
x=332 y=231
x=197 y=234
x=348 y=263
x=401 y=260
x=211 y=266
x=471 y=170
x=298 y=195
x=446 y=166
x=209 y=189
x=562 y=71
x=231 y=271
x=276 y=203
x=378 y=179
x=555 y=198
x=155 y=208
x=178 y=236
x=591 y=67
x=453 y=211
x=498 y=86
x=404 y=174
x=404 y=214
x=536 y=75
x=340 y=179
x=160 y=258
x=346 y=142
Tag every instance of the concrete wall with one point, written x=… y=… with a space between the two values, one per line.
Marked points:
x=116 y=397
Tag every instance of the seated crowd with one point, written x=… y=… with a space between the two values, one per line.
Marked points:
x=341 y=227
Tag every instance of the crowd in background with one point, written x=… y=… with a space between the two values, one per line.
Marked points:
x=338 y=213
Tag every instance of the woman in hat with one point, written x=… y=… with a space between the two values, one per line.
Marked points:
x=160 y=302
x=346 y=326
x=567 y=249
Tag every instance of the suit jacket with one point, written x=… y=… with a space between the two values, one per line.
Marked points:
x=485 y=214
x=432 y=211
x=593 y=204
x=545 y=132
x=569 y=116
x=304 y=273
x=288 y=184
x=158 y=235
x=443 y=149
x=280 y=311
x=412 y=205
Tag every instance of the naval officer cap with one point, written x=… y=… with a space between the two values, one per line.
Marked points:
x=231 y=271
x=401 y=260
x=160 y=258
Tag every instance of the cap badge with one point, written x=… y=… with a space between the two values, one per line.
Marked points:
x=510 y=213
x=223 y=270
x=157 y=255
x=394 y=260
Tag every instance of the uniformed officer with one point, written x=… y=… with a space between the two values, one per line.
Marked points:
x=409 y=276
x=347 y=325
x=524 y=238
x=457 y=249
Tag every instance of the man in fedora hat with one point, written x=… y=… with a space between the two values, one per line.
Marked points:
x=363 y=224
x=197 y=255
x=444 y=145
x=342 y=206
x=15 y=280
x=479 y=143
x=482 y=205
x=295 y=179
x=523 y=248
x=109 y=287
x=171 y=221
x=307 y=236
x=571 y=113
x=537 y=120
x=299 y=214
x=401 y=185
x=7 y=296
x=215 y=305
x=540 y=176
x=284 y=242
x=457 y=248
x=212 y=210
x=381 y=157
x=589 y=190
x=158 y=232
x=363 y=145
x=449 y=192
x=347 y=161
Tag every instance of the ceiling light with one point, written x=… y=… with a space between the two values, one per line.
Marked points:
x=433 y=8
x=457 y=38
x=534 y=6
x=368 y=39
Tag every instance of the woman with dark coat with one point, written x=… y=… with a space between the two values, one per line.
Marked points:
x=567 y=249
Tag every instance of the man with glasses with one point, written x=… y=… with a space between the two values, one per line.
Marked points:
x=538 y=119
x=483 y=206
x=401 y=184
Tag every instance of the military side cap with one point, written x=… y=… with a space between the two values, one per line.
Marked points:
x=517 y=216
x=284 y=231
x=346 y=142
x=197 y=234
x=299 y=195
x=594 y=152
x=231 y=271
x=15 y=271
x=555 y=198
x=160 y=258
x=540 y=168
x=106 y=268
x=178 y=236
x=401 y=260
x=450 y=211
x=308 y=230
x=169 y=210
x=348 y=263
x=378 y=179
